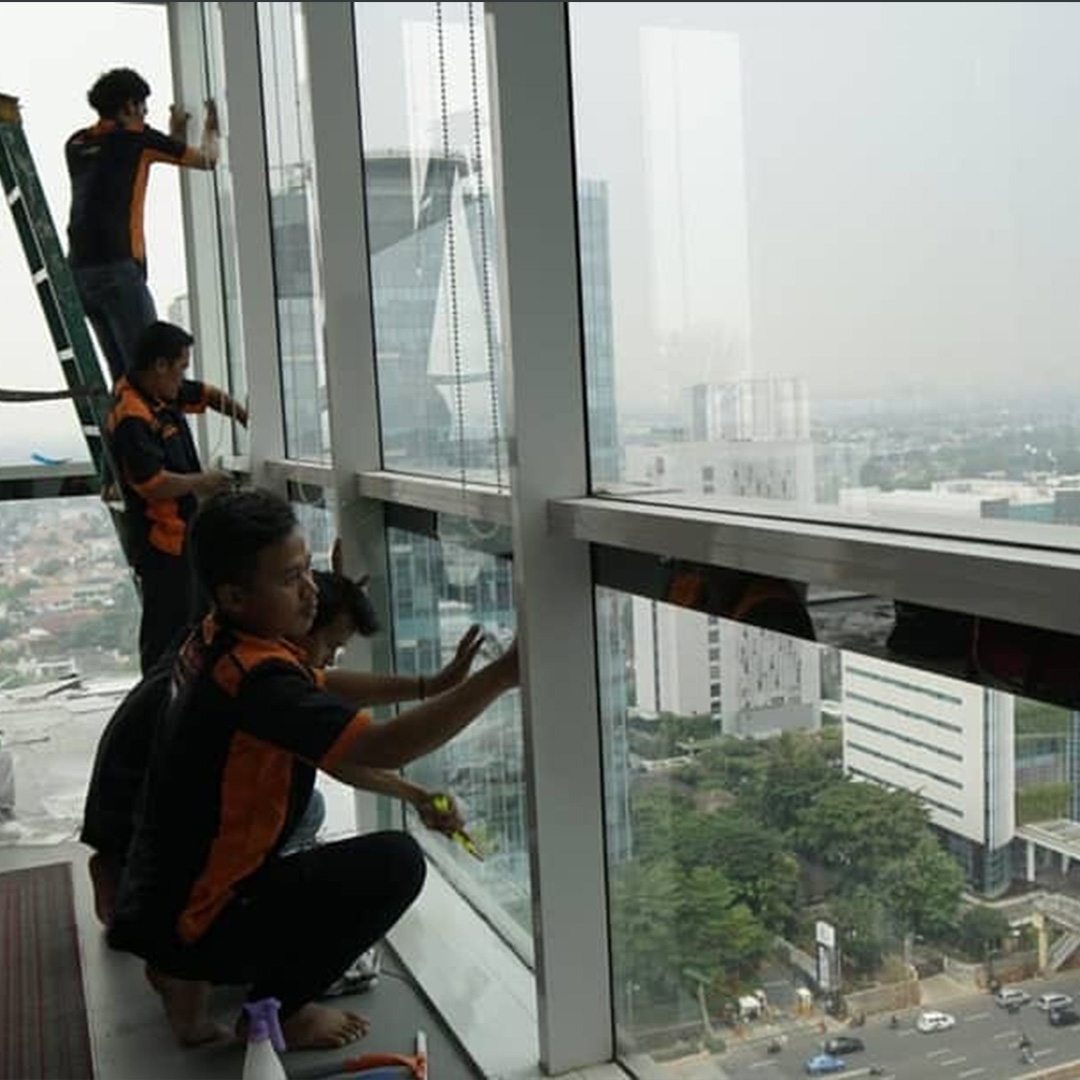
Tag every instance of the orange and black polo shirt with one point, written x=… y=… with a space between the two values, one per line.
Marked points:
x=231 y=772
x=148 y=438
x=109 y=166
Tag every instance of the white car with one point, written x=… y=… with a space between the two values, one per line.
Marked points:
x=1012 y=995
x=1049 y=1002
x=935 y=1021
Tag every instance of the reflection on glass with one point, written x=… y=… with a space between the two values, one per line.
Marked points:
x=217 y=88
x=841 y=238
x=290 y=161
x=69 y=629
x=431 y=228
x=792 y=827
x=438 y=590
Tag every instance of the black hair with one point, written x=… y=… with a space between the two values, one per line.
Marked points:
x=115 y=89
x=229 y=531
x=161 y=341
x=340 y=595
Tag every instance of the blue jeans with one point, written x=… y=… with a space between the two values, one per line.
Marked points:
x=307 y=828
x=119 y=307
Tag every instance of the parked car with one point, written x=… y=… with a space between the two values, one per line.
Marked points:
x=1009 y=996
x=843 y=1044
x=1049 y=1002
x=1065 y=1017
x=822 y=1064
x=935 y=1021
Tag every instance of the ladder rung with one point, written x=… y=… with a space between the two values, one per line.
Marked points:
x=66 y=354
x=92 y=431
x=14 y=195
x=40 y=276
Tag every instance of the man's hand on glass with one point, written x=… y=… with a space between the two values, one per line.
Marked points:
x=457 y=671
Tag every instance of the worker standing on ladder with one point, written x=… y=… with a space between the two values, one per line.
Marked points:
x=162 y=478
x=109 y=165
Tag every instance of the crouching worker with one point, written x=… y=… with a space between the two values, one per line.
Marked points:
x=205 y=896
x=343 y=609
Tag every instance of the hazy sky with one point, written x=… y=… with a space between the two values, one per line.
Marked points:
x=50 y=54
x=882 y=198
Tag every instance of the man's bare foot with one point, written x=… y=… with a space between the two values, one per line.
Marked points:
x=185 y=1002
x=318 y=1027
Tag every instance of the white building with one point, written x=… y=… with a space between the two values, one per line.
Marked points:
x=951 y=742
x=752 y=682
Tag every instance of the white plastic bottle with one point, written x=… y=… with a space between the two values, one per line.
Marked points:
x=264 y=1040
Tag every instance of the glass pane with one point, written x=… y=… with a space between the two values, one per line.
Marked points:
x=291 y=164
x=438 y=590
x=84 y=40
x=217 y=89
x=792 y=828
x=827 y=254
x=431 y=226
x=69 y=628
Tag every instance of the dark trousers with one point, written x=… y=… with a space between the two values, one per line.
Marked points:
x=169 y=602
x=303 y=920
x=119 y=307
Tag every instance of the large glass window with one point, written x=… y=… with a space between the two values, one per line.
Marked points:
x=431 y=227
x=84 y=40
x=795 y=829
x=233 y=337
x=438 y=590
x=69 y=629
x=290 y=163
x=827 y=254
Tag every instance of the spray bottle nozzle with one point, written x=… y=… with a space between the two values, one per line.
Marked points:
x=263 y=1022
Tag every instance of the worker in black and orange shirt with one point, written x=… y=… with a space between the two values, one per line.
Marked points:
x=109 y=165
x=162 y=478
x=206 y=895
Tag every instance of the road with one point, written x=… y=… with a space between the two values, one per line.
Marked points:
x=982 y=1046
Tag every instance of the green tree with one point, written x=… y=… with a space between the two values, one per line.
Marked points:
x=763 y=873
x=717 y=933
x=657 y=816
x=645 y=926
x=50 y=567
x=922 y=890
x=981 y=929
x=857 y=828
x=861 y=930
x=796 y=774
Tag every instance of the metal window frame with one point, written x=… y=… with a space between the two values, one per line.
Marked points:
x=258 y=310
x=528 y=48
x=553 y=518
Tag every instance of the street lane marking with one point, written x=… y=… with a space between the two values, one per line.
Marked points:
x=938 y=1053
x=969 y=1072
x=763 y=1065
x=907 y=1034
x=1006 y=1034
x=978 y=1016
x=953 y=1061
x=1043 y=1053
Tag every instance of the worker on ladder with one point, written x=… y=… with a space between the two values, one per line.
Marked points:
x=109 y=165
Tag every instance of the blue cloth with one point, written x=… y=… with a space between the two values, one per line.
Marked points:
x=307 y=828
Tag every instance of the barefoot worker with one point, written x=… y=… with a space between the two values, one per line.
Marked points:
x=204 y=897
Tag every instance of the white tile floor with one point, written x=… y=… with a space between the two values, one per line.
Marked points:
x=128 y=1033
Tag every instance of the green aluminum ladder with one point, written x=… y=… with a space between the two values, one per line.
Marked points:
x=58 y=296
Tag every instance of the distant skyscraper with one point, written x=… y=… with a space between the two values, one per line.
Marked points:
x=595 y=257
x=750 y=410
x=304 y=399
